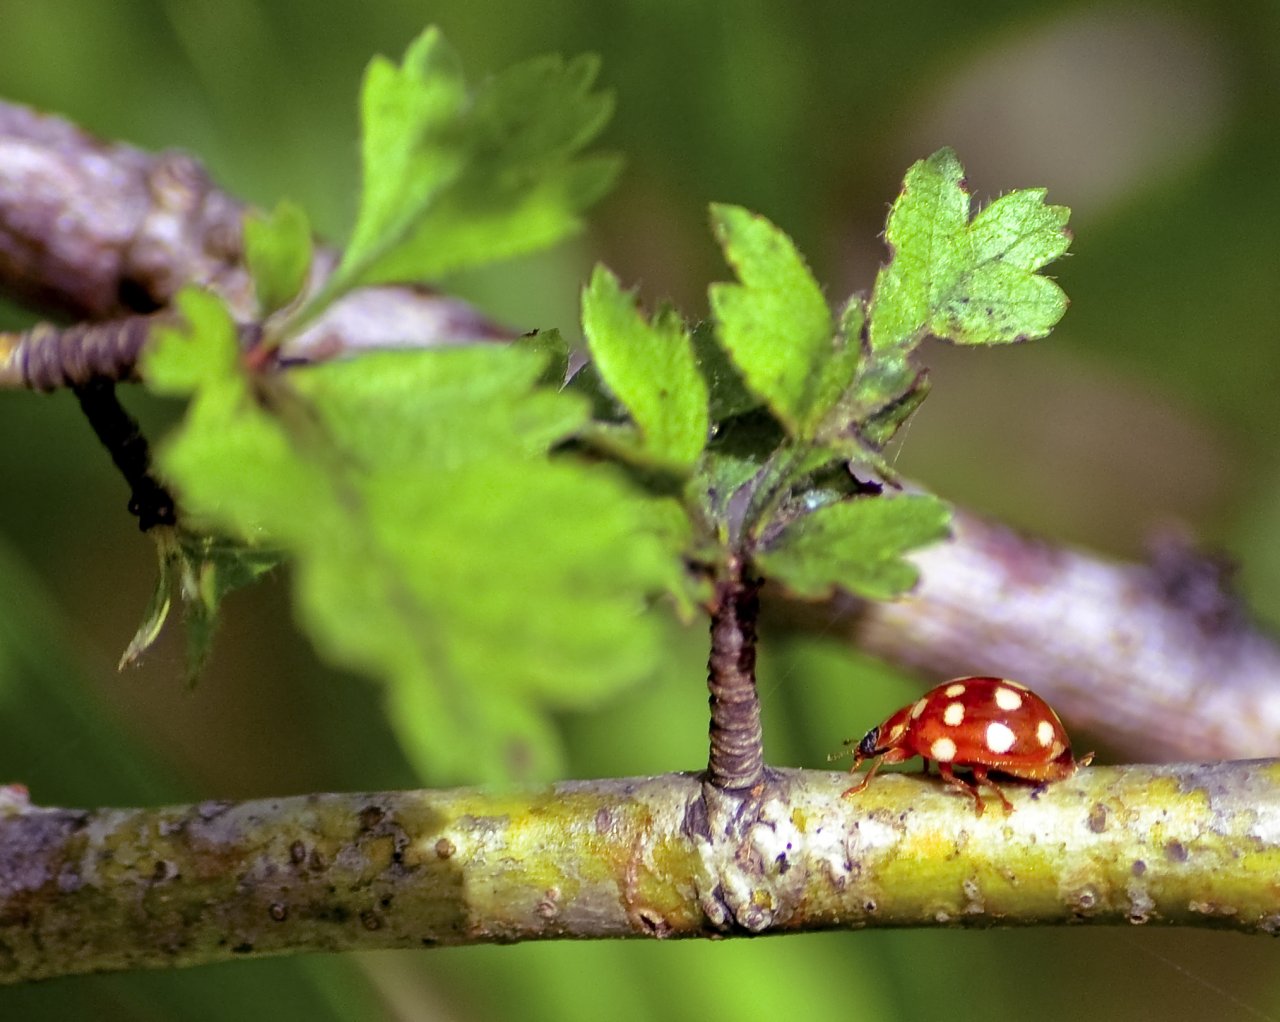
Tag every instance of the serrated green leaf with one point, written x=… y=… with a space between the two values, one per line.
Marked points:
x=856 y=545
x=775 y=323
x=277 y=249
x=554 y=349
x=435 y=545
x=413 y=145
x=383 y=416
x=452 y=182
x=649 y=366
x=181 y=359
x=836 y=375
x=728 y=394
x=970 y=283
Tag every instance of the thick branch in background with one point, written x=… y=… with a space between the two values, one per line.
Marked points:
x=1158 y=660
x=84 y=891
x=92 y=231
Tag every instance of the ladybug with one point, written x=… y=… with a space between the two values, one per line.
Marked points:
x=982 y=724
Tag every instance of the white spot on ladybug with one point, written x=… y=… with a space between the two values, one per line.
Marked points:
x=1007 y=699
x=895 y=732
x=1045 y=733
x=943 y=750
x=953 y=715
x=1057 y=750
x=918 y=709
x=1000 y=737
x=951 y=691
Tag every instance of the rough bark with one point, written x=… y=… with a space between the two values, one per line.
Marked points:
x=736 y=762
x=85 y=891
x=93 y=231
x=1158 y=659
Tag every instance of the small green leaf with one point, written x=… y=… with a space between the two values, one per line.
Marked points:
x=452 y=181
x=650 y=368
x=200 y=570
x=277 y=249
x=212 y=567
x=204 y=352
x=551 y=345
x=157 y=610
x=774 y=324
x=970 y=283
x=855 y=545
x=729 y=395
x=836 y=376
x=413 y=146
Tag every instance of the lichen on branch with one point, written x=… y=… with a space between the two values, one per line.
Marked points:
x=85 y=891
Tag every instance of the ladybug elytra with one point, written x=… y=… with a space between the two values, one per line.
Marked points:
x=981 y=724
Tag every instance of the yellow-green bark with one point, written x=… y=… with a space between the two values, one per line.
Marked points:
x=107 y=889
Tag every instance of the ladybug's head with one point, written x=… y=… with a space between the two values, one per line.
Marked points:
x=869 y=746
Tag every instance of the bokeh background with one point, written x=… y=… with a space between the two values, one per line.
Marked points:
x=1154 y=404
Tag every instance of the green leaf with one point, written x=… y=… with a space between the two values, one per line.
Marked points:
x=728 y=394
x=203 y=355
x=551 y=346
x=277 y=249
x=413 y=145
x=452 y=181
x=651 y=369
x=775 y=323
x=200 y=570
x=157 y=609
x=971 y=283
x=856 y=545
x=212 y=567
x=435 y=545
x=837 y=374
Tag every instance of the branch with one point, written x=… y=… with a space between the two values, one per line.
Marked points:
x=736 y=761
x=93 y=231
x=1158 y=659
x=87 y=891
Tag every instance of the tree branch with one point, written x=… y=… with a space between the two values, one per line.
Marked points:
x=736 y=761
x=93 y=231
x=86 y=891
x=1158 y=659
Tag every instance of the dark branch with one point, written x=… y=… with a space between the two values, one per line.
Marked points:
x=121 y=436
x=48 y=358
x=737 y=742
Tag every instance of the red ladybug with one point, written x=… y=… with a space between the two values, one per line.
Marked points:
x=979 y=723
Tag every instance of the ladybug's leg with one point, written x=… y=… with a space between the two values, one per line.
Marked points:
x=980 y=777
x=959 y=782
x=866 y=778
x=892 y=756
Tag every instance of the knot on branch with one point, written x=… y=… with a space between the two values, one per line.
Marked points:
x=749 y=875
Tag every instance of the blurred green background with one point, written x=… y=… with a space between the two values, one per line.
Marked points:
x=1155 y=403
